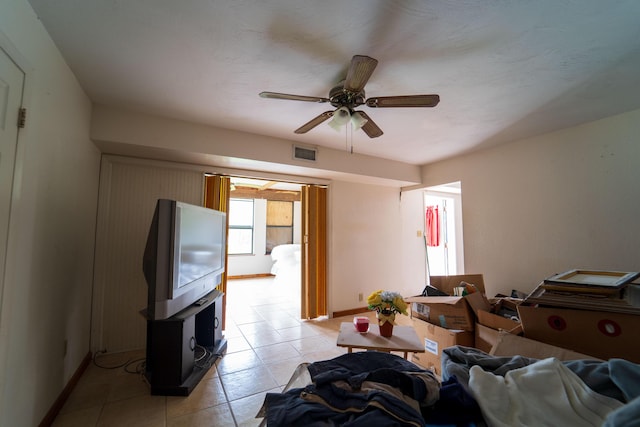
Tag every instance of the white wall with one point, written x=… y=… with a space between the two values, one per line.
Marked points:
x=47 y=294
x=564 y=200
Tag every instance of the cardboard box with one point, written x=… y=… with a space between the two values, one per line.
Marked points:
x=601 y=334
x=513 y=345
x=485 y=310
x=446 y=312
x=499 y=323
x=436 y=339
x=450 y=312
x=448 y=283
x=485 y=337
x=478 y=301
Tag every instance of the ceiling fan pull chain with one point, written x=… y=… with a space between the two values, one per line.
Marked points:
x=346 y=139
x=351 y=137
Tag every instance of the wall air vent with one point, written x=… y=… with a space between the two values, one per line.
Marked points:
x=305 y=153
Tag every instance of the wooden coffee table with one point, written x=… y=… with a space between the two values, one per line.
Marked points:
x=404 y=339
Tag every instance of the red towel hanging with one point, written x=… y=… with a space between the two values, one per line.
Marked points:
x=433 y=226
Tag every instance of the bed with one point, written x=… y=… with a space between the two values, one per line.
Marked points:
x=476 y=389
x=286 y=264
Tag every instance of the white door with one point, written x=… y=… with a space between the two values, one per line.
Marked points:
x=11 y=85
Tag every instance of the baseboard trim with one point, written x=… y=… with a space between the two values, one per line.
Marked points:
x=350 y=312
x=66 y=392
x=250 y=276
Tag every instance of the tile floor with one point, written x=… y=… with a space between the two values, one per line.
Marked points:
x=266 y=342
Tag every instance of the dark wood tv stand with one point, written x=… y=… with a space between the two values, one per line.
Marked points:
x=176 y=360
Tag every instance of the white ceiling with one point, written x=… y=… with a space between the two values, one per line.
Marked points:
x=504 y=70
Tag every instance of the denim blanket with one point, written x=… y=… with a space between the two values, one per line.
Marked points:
x=357 y=389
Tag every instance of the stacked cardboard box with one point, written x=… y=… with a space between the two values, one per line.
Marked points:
x=449 y=312
x=470 y=320
x=443 y=321
x=473 y=320
x=585 y=325
x=435 y=340
x=593 y=319
x=599 y=333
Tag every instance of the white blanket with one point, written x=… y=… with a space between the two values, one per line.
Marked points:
x=545 y=393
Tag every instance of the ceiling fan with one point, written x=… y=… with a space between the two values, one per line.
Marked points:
x=349 y=94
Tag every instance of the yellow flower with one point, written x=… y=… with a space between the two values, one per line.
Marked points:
x=381 y=300
x=400 y=304
x=374 y=299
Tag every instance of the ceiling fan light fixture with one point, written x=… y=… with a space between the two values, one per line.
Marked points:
x=340 y=118
x=357 y=120
x=349 y=94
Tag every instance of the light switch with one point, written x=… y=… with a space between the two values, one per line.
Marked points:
x=419 y=233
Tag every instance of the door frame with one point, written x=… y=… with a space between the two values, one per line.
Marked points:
x=13 y=54
x=303 y=181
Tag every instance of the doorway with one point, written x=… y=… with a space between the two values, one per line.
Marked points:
x=443 y=229
x=267 y=214
x=218 y=194
x=269 y=219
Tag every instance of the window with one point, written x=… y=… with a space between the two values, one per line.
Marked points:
x=240 y=239
x=279 y=223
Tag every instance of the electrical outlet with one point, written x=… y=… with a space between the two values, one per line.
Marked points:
x=360 y=296
x=419 y=233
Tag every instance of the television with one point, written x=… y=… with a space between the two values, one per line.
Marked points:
x=184 y=256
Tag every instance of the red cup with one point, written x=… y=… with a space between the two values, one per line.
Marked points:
x=361 y=324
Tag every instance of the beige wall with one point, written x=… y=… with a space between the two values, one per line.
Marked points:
x=364 y=242
x=129 y=189
x=564 y=200
x=373 y=242
x=46 y=303
x=128 y=133
x=412 y=272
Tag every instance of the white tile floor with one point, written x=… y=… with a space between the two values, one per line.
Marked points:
x=266 y=342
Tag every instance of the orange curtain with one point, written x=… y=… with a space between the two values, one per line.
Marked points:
x=217 y=190
x=314 y=245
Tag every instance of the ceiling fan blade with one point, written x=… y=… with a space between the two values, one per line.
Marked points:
x=370 y=128
x=286 y=96
x=314 y=122
x=359 y=72
x=403 y=101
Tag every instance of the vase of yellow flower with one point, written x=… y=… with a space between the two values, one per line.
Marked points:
x=386 y=304
x=386 y=320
